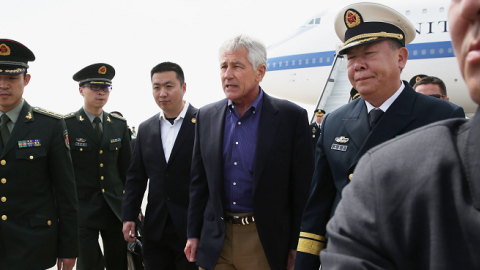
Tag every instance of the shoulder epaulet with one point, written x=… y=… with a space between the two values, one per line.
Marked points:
x=118 y=117
x=69 y=115
x=47 y=112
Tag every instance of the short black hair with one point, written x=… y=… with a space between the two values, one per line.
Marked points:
x=394 y=44
x=432 y=80
x=169 y=66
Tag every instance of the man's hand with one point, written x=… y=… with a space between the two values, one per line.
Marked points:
x=65 y=264
x=191 y=249
x=129 y=231
x=292 y=254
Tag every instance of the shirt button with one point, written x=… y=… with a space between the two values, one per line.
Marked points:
x=81 y=149
x=234 y=183
x=234 y=203
x=4 y=181
x=253 y=111
x=103 y=190
x=236 y=142
x=239 y=123
x=101 y=152
x=101 y=164
x=3 y=162
x=101 y=177
x=235 y=163
x=4 y=199
x=4 y=217
x=31 y=157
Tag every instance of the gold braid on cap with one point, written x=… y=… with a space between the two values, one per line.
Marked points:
x=373 y=36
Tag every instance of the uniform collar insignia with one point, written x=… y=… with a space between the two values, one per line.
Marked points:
x=342 y=139
x=81 y=118
x=29 y=116
x=108 y=119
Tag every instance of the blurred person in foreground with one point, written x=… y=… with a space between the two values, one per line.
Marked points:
x=374 y=39
x=414 y=201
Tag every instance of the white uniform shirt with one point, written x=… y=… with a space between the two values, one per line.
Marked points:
x=170 y=132
x=384 y=107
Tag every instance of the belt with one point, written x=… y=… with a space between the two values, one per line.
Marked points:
x=236 y=220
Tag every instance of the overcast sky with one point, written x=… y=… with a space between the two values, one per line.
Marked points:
x=134 y=36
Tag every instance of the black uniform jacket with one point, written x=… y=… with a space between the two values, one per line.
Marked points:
x=315 y=132
x=345 y=138
x=414 y=203
x=38 y=209
x=169 y=182
x=281 y=177
x=100 y=166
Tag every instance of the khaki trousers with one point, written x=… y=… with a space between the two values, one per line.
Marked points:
x=241 y=249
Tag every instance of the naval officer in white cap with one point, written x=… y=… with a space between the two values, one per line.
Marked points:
x=374 y=39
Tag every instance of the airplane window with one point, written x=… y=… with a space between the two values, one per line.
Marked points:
x=424 y=51
x=450 y=50
x=432 y=51
x=300 y=62
x=311 y=22
x=274 y=64
x=440 y=50
x=424 y=11
x=442 y=9
x=293 y=62
x=328 y=59
x=313 y=60
x=306 y=61
x=280 y=64
x=415 y=52
x=317 y=21
x=320 y=60
x=286 y=63
x=407 y=13
x=268 y=65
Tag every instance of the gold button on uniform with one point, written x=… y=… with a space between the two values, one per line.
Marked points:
x=103 y=190
x=3 y=162
x=31 y=157
x=49 y=223
x=350 y=176
x=4 y=181
x=4 y=217
x=116 y=148
x=4 y=199
x=101 y=164
x=81 y=149
x=101 y=177
x=101 y=152
x=124 y=191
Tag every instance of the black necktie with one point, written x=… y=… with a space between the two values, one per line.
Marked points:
x=5 y=133
x=98 y=131
x=375 y=116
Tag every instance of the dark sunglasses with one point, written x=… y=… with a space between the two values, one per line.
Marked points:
x=98 y=87
x=437 y=96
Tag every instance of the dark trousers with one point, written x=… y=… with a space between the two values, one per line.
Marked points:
x=166 y=254
x=114 y=255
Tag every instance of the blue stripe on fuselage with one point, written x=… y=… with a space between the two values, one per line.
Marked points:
x=416 y=51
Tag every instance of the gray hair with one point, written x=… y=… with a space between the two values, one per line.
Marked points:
x=257 y=52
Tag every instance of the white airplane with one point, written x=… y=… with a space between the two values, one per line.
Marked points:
x=300 y=67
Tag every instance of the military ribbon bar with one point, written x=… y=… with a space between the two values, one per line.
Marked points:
x=29 y=143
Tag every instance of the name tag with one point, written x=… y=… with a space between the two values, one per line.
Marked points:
x=339 y=147
x=80 y=144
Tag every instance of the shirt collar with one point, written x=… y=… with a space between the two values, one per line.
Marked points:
x=15 y=112
x=384 y=107
x=91 y=117
x=180 y=116
x=256 y=104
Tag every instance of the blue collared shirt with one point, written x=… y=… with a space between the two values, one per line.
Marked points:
x=239 y=145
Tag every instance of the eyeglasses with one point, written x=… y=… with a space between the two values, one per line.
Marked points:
x=98 y=87
x=437 y=96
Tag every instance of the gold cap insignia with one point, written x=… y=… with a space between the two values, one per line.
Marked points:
x=4 y=50
x=341 y=139
x=319 y=114
x=29 y=116
x=418 y=79
x=81 y=118
x=102 y=70
x=352 y=18
x=194 y=120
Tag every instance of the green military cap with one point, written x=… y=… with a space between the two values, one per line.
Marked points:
x=100 y=73
x=319 y=112
x=416 y=78
x=362 y=23
x=14 y=57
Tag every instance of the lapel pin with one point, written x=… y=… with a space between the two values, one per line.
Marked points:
x=81 y=118
x=341 y=139
x=194 y=120
x=29 y=116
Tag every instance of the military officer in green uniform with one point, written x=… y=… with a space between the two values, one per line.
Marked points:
x=38 y=203
x=101 y=155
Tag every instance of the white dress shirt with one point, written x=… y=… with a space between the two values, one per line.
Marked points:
x=384 y=107
x=170 y=132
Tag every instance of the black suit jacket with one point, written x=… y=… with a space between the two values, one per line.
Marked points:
x=100 y=166
x=38 y=211
x=413 y=203
x=281 y=177
x=334 y=167
x=169 y=182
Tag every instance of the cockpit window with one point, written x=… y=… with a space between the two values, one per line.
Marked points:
x=311 y=22
x=317 y=21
